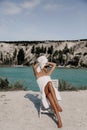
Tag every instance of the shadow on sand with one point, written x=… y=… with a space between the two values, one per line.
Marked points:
x=34 y=98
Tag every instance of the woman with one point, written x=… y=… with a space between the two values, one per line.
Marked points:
x=42 y=70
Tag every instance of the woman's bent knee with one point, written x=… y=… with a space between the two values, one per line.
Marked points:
x=47 y=87
x=49 y=83
x=50 y=86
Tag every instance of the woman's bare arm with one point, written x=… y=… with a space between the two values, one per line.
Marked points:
x=34 y=68
x=52 y=67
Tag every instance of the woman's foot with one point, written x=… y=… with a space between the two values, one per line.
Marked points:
x=59 y=123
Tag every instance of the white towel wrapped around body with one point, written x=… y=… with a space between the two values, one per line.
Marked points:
x=42 y=82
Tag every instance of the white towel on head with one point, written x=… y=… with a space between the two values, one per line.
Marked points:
x=42 y=61
x=38 y=69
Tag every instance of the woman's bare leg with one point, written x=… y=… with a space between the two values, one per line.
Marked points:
x=50 y=98
x=52 y=91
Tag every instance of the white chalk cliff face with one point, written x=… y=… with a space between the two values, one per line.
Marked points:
x=76 y=55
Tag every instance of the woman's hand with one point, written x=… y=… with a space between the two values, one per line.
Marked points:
x=52 y=67
x=51 y=64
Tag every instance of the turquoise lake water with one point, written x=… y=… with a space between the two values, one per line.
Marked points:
x=76 y=77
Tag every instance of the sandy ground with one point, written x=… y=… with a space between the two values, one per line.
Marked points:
x=19 y=111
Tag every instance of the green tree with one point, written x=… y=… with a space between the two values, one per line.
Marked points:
x=65 y=50
x=38 y=50
x=1 y=57
x=45 y=50
x=6 y=61
x=33 y=49
x=50 y=50
x=60 y=57
x=20 y=56
x=55 y=54
x=14 y=54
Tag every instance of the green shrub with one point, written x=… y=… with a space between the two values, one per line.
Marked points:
x=6 y=86
x=82 y=88
x=18 y=86
x=64 y=86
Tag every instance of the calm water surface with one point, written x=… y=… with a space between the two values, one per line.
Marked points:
x=76 y=77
